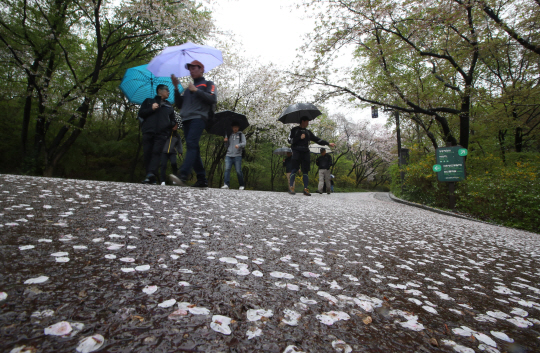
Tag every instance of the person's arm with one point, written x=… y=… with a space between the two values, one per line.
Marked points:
x=319 y=140
x=318 y=161
x=146 y=108
x=296 y=136
x=208 y=94
x=178 y=98
x=242 y=137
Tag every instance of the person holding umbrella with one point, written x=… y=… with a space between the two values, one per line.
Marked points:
x=158 y=119
x=195 y=108
x=299 y=139
x=235 y=144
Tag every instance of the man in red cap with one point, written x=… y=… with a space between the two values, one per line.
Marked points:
x=195 y=107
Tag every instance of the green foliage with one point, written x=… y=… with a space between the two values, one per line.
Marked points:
x=507 y=194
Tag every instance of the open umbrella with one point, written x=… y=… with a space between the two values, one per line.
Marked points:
x=293 y=113
x=139 y=83
x=222 y=127
x=282 y=151
x=316 y=149
x=173 y=60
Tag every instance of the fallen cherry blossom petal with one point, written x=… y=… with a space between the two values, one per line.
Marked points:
x=36 y=280
x=61 y=328
x=90 y=344
x=221 y=324
x=150 y=289
x=167 y=303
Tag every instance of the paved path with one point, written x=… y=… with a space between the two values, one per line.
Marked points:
x=132 y=268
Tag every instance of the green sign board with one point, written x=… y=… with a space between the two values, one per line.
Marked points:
x=450 y=163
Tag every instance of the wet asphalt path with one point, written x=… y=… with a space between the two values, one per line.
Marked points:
x=116 y=267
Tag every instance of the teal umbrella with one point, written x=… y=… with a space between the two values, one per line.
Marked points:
x=139 y=83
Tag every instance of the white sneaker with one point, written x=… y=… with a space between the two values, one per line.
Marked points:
x=162 y=183
x=241 y=188
x=225 y=187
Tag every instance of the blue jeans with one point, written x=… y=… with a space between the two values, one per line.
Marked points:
x=193 y=130
x=237 y=165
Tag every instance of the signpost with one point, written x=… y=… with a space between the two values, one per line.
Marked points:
x=450 y=168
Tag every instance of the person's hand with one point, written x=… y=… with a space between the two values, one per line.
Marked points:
x=155 y=106
x=332 y=144
x=303 y=136
x=236 y=146
x=225 y=139
x=175 y=127
x=175 y=81
x=192 y=87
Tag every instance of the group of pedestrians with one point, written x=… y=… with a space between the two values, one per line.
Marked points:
x=161 y=142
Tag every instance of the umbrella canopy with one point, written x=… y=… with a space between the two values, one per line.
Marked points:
x=173 y=60
x=222 y=126
x=139 y=83
x=316 y=149
x=282 y=151
x=293 y=113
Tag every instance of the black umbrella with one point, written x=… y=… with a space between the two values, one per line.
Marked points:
x=293 y=113
x=282 y=151
x=222 y=127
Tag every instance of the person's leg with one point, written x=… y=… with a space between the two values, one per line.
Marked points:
x=238 y=167
x=174 y=166
x=295 y=166
x=305 y=168
x=163 y=167
x=321 y=181
x=228 y=166
x=327 y=179
x=148 y=145
x=157 y=148
x=197 y=128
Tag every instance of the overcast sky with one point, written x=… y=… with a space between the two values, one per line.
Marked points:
x=272 y=30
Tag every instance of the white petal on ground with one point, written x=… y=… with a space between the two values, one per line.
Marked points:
x=498 y=314
x=185 y=270
x=415 y=301
x=115 y=247
x=502 y=336
x=341 y=346
x=520 y=322
x=310 y=274
x=229 y=260
x=485 y=339
x=242 y=257
x=43 y=240
x=61 y=328
x=80 y=247
x=257 y=314
x=485 y=348
x=221 y=324
x=90 y=344
x=307 y=301
x=463 y=331
x=3 y=296
x=127 y=269
x=62 y=259
x=127 y=259
x=330 y=317
x=97 y=240
x=167 y=303
x=257 y=273
x=290 y=317
x=184 y=284
x=195 y=310
x=179 y=251
x=26 y=247
x=484 y=318
x=174 y=257
x=36 y=280
x=178 y=314
x=23 y=349
x=253 y=332
x=412 y=325
x=110 y=256
x=150 y=289
x=292 y=287
x=62 y=253
x=457 y=347
x=142 y=268
x=42 y=314
x=519 y=312
x=430 y=309
x=328 y=296
x=292 y=349
x=365 y=305
x=278 y=274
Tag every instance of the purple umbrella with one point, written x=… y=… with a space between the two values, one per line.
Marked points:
x=173 y=60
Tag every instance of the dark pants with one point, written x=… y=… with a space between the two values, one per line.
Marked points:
x=300 y=159
x=152 y=149
x=165 y=158
x=193 y=130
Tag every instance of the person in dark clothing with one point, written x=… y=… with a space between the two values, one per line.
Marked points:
x=235 y=143
x=299 y=139
x=158 y=119
x=173 y=146
x=287 y=164
x=324 y=162
x=195 y=106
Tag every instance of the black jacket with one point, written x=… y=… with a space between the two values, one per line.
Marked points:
x=299 y=144
x=159 y=121
x=173 y=144
x=198 y=104
x=324 y=162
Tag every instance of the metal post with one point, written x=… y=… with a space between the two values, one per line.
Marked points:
x=401 y=173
